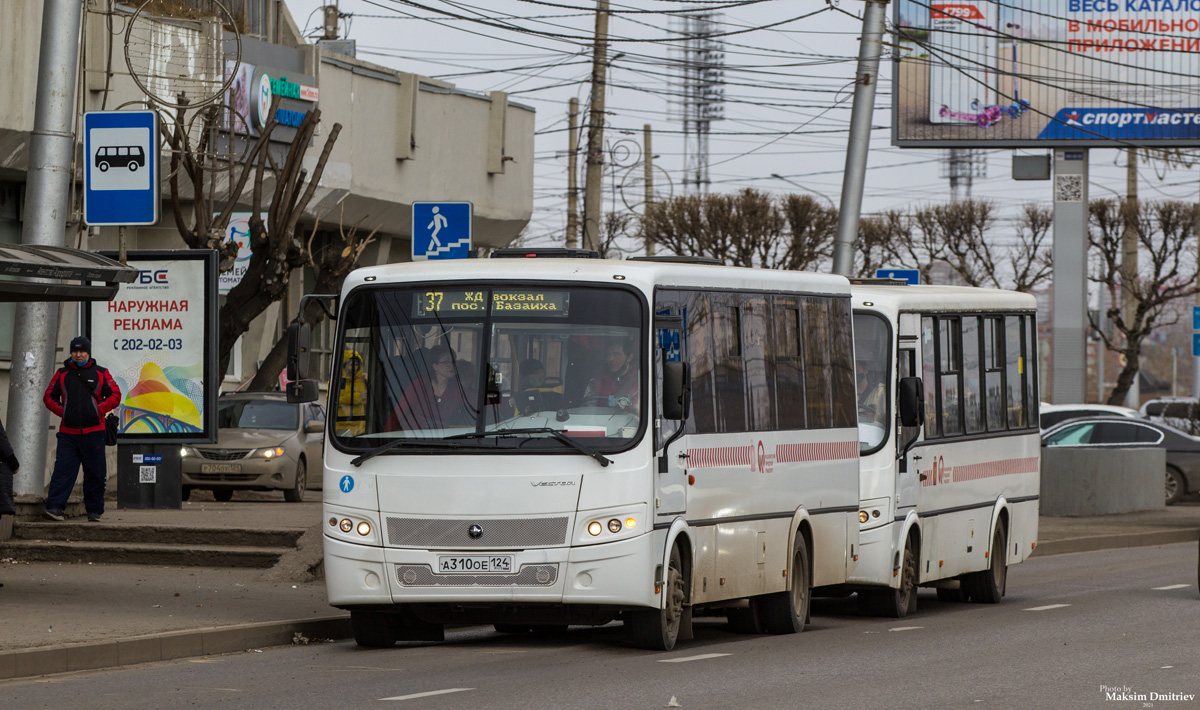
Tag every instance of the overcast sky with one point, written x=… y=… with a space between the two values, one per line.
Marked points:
x=788 y=90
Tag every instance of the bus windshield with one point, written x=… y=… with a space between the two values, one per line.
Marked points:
x=872 y=345
x=469 y=364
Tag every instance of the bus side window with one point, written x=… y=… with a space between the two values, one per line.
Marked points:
x=949 y=369
x=817 y=372
x=972 y=375
x=929 y=377
x=993 y=373
x=728 y=376
x=699 y=327
x=1015 y=371
x=760 y=363
x=789 y=369
x=845 y=395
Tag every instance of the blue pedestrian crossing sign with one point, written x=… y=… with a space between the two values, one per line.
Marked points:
x=441 y=230
x=120 y=173
x=1195 y=344
x=911 y=276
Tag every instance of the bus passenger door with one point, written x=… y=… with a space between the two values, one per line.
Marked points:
x=908 y=473
x=670 y=469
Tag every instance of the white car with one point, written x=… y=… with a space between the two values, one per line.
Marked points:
x=1183 y=413
x=1051 y=414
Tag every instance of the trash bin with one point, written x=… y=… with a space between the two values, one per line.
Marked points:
x=149 y=476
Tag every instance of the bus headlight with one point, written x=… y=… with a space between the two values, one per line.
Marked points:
x=863 y=517
x=346 y=525
x=364 y=528
x=594 y=528
x=614 y=526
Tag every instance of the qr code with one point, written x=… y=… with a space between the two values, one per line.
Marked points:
x=1068 y=188
x=147 y=474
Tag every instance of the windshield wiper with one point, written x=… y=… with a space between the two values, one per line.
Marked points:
x=423 y=443
x=601 y=458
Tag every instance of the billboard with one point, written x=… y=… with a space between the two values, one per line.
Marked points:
x=158 y=339
x=1103 y=73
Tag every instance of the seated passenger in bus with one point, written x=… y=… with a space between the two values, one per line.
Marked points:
x=534 y=395
x=618 y=380
x=436 y=400
x=872 y=397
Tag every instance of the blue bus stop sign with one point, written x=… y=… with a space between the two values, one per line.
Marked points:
x=120 y=172
x=912 y=276
x=441 y=230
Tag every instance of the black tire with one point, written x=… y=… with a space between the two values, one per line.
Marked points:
x=787 y=612
x=658 y=629
x=373 y=629
x=223 y=495
x=295 y=494
x=899 y=603
x=1176 y=485
x=187 y=492
x=988 y=586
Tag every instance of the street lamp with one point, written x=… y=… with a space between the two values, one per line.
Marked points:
x=777 y=176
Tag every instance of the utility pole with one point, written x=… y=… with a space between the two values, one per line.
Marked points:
x=865 y=79
x=572 y=173
x=47 y=195
x=1129 y=262
x=595 y=144
x=649 y=183
x=331 y=19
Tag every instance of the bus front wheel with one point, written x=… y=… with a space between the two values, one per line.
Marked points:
x=373 y=629
x=658 y=629
x=787 y=612
x=899 y=603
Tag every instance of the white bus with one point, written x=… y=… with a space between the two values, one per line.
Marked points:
x=950 y=486
x=513 y=463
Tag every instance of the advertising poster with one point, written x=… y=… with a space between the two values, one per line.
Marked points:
x=157 y=338
x=238 y=231
x=982 y=73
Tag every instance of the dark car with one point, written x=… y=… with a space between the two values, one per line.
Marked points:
x=1183 y=451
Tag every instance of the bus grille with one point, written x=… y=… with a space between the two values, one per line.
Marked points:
x=497 y=534
x=529 y=576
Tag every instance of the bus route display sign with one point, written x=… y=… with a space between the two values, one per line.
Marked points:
x=504 y=302
x=1086 y=73
x=158 y=339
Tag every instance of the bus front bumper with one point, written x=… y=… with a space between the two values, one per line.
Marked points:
x=612 y=574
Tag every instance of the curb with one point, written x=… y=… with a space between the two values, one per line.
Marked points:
x=1112 y=542
x=46 y=660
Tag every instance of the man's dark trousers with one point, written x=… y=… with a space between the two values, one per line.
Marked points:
x=73 y=450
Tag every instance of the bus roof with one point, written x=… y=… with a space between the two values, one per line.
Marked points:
x=940 y=298
x=644 y=274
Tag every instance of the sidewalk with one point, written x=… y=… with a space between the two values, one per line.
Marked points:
x=59 y=617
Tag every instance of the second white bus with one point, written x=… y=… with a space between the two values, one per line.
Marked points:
x=948 y=440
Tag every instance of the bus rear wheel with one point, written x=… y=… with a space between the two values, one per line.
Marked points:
x=987 y=586
x=787 y=612
x=658 y=629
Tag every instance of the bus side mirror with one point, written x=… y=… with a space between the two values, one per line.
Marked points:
x=677 y=390
x=299 y=348
x=912 y=405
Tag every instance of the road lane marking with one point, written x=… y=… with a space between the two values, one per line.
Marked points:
x=430 y=693
x=685 y=659
x=906 y=628
x=1169 y=587
x=1048 y=606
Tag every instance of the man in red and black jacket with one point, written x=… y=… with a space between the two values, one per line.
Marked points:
x=81 y=392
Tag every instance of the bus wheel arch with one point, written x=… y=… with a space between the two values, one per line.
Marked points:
x=788 y=611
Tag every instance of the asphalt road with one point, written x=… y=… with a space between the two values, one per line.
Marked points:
x=1072 y=629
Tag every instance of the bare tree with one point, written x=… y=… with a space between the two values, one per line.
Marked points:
x=1031 y=260
x=957 y=233
x=615 y=228
x=275 y=252
x=880 y=238
x=812 y=228
x=331 y=260
x=1167 y=271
